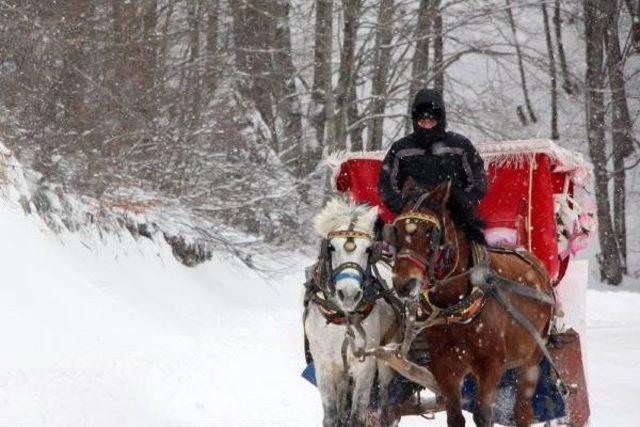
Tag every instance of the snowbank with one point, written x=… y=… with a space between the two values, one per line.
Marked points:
x=111 y=330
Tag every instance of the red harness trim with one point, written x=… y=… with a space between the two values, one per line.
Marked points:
x=413 y=259
x=468 y=314
x=441 y=269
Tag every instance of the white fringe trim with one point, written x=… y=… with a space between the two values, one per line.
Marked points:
x=499 y=154
x=335 y=159
x=515 y=153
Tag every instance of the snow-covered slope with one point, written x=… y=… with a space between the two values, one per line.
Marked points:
x=114 y=331
x=100 y=328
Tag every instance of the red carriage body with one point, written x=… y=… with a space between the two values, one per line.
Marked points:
x=523 y=177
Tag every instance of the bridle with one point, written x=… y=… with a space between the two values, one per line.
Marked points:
x=441 y=246
x=419 y=311
x=367 y=278
x=350 y=245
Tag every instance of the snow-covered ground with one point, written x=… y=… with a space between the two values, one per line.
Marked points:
x=116 y=332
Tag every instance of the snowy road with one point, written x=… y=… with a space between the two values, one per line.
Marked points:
x=119 y=334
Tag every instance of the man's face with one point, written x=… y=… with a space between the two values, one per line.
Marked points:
x=427 y=123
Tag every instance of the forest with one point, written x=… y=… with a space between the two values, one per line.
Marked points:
x=228 y=107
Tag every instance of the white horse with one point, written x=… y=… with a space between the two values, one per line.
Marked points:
x=348 y=232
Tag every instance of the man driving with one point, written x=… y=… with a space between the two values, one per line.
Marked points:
x=431 y=155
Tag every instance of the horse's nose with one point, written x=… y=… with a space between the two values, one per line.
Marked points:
x=407 y=288
x=349 y=296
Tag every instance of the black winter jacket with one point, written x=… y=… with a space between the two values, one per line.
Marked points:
x=430 y=157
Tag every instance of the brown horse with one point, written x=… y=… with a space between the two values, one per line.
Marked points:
x=471 y=331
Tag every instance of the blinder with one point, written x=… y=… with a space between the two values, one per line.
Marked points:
x=324 y=248
x=389 y=234
x=326 y=270
x=375 y=252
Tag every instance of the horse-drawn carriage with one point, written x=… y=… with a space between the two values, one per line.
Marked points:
x=530 y=204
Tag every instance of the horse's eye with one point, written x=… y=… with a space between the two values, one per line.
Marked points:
x=331 y=248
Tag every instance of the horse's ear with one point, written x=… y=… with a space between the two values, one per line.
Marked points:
x=368 y=220
x=408 y=187
x=442 y=193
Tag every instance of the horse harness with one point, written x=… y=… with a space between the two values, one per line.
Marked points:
x=484 y=280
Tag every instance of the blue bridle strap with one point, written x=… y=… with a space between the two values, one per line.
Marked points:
x=344 y=274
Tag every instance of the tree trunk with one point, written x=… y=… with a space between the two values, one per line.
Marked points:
x=149 y=59
x=621 y=129
x=523 y=79
x=64 y=104
x=420 y=62
x=622 y=124
x=609 y=258
x=165 y=39
x=287 y=102
x=555 y=134
x=126 y=68
x=253 y=29
x=211 y=74
x=381 y=69
x=356 y=125
x=194 y=89
x=634 y=12
x=619 y=202
x=557 y=23
x=636 y=28
x=322 y=87
x=76 y=14
x=351 y=13
x=438 y=48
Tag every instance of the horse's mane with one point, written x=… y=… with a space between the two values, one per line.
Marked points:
x=337 y=214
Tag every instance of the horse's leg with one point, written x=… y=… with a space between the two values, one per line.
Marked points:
x=450 y=381
x=343 y=393
x=527 y=381
x=328 y=394
x=364 y=375
x=488 y=382
x=391 y=330
x=385 y=376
